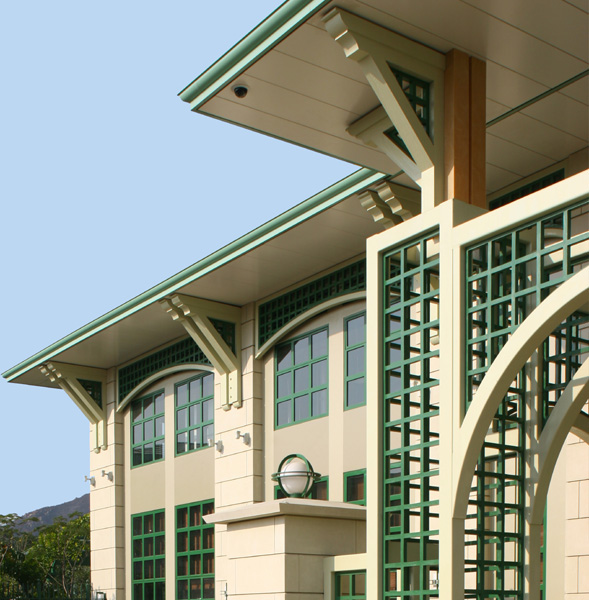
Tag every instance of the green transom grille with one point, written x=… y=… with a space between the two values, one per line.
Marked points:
x=94 y=390
x=279 y=311
x=183 y=352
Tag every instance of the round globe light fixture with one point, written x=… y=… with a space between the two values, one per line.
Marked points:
x=295 y=476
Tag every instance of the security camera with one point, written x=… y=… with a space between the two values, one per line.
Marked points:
x=240 y=91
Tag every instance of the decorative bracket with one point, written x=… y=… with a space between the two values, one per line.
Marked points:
x=86 y=387
x=195 y=315
x=391 y=203
x=376 y=50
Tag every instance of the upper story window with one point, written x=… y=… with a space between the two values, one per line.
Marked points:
x=301 y=379
x=194 y=413
x=355 y=487
x=355 y=360
x=147 y=429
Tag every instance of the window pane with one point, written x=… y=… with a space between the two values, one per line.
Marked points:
x=148 y=430
x=182 y=566
x=138 y=569
x=159 y=404
x=207 y=410
x=183 y=590
x=181 y=541
x=137 y=526
x=181 y=395
x=195 y=565
x=159 y=450
x=137 y=411
x=160 y=567
x=320 y=490
x=301 y=408
x=138 y=591
x=148 y=546
x=360 y=583
x=301 y=379
x=356 y=331
x=284 y=385
x=195 y=414
x=319 y=403
x=208 y=385
x=148 y=570
x=148 y=524
x=319 y=373
x=319 y=344
x=137 y=456
x=283 y=357
x=182 y=419
x=208 y=433
x=181 y=442
x=208 y=508
x=182 y=518
x=208 y=563
x=195 y=389
x=301 y=351
x=208 y=538
x=159 y=426
x=195 y=516
x=356 y=392
x=148 y=408
x=160 y=545
x=160 y=590
x=195 y=589
x=194 y=441
x=356 y=361
x=209 y=588
x=137 y=434
x=283 y=413
x=137 y=549
x=148 y=453
x=355 y=488
x=194 y=540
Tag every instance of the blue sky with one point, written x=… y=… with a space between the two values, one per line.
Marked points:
x=109 y=184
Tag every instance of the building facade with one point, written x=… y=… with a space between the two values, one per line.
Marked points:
x=418 y=331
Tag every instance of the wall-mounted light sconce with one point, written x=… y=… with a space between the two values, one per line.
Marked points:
x=108 y=474
x=247 y=440
x=100 y=596
x=295 y=476
x=91 y=479
x=218 y=444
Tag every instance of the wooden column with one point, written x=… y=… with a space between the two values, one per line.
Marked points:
x=464 y=107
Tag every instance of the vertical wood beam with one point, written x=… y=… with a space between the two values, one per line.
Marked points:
x=464 y=107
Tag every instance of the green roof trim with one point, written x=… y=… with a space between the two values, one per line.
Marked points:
x=285 y=19
x=337 y=192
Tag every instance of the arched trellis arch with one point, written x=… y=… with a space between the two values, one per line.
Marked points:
x=161 y=375
x=559 y=305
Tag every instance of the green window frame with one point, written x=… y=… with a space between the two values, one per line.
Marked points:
x=195 y=551
x=355 y=360
x=194 y=413
x=147 y=429
x=301 y=379
x=148 y=547
x=355 y=487
x=319 y=491
x=350 y=585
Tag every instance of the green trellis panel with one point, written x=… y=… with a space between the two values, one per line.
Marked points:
x=411 y=419
x=507 y=276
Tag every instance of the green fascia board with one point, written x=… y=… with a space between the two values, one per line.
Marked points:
x=285 y=19
x=298 y=214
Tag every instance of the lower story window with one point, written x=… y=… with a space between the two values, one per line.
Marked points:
x=148 y=540
x=350 y=585
x=195 y=552
x=355 y=487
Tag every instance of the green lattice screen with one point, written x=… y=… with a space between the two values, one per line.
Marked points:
x=418 y=93
x=507 y=277
x=411 y=420
x=279 y=311
x=94 y=390
x=183 y=352
x=529 y=188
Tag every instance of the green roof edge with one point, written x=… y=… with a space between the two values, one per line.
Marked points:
x=261 y=39
x=298 y=214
